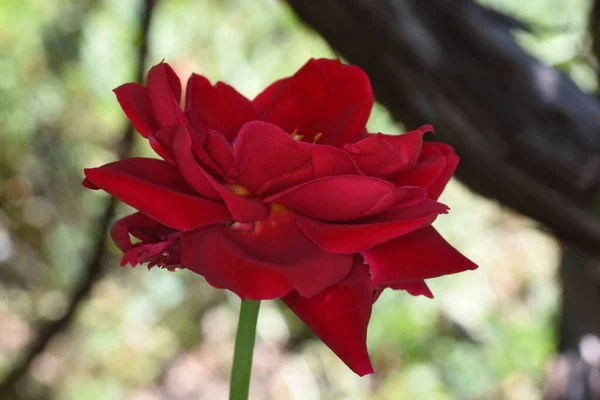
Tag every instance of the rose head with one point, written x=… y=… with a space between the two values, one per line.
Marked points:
x=284 y=196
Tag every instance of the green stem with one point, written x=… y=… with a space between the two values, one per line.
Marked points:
x=244 y=347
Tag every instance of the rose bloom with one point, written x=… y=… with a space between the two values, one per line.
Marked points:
x=284 y=196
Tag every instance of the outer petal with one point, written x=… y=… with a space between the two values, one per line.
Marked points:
x=221 y=154
x=267 y=262
x=164 y=90
x=435 y=190
x=243 y=209
x=156 y=189
x=383 y=156
x=159 y=244
x=189 y=168
x=283 y=161
x=419 y=255
x=324 y=96
x=135 y=102
x=346 y=197
x=433 y=170
x=339 y=316
x=416 y=288
x=142 y=227
x=363 y=234
x=219 y=107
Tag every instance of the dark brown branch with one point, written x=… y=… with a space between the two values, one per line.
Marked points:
x=527 y=135
x=94 y=267
x=594 y=23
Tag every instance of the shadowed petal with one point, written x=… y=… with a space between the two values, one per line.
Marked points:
x=135 y=102
x=221 y=155
x=219 y=107
x=140 y=226
x=158 y=246
x=363 y=234
x=339 y=316
x=283 y=162
x=157 y=189
x=383 y=156
x=243 y=209
x=189 y=168
x=164 y=89
x=418 y=255
x=346 y=197
x=264 y=263
x=433 y=170
x=415 y=288
x=324 y=97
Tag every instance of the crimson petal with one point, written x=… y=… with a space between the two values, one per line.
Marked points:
x=221 y=154
x=189 y=168
x=324 y=97
x=135 y=102
x=243 y=209
x=158 y=190
x=416 y=288
x=363 y=234
x=418 y=255
x=164 y=90
x=433 y=170
x=267 y=262
x=140 y=226
x=383 y=156
x=346 y=197
x=283 y=162
x=219 y=107
x=339 y=316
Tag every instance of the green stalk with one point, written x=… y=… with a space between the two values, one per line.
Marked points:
x=244 y=347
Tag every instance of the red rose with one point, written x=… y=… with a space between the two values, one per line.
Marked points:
x=278 y=198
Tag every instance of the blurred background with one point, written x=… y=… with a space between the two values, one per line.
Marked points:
x=75 y=325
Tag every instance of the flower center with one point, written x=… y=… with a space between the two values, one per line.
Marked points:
x=242 y=226
x=256 y=226
x=296 y=136
x=238 y=190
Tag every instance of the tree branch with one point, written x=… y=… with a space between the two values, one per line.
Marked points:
x=94 y=267
x=526 y=134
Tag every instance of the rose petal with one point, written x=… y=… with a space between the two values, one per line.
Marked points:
x=164 y=89
x=265 y=263
x=189 y=168
x=283 y=162
x=221 y=154
x=219 y=107
x=435 y=190
x=339 y=316
x=418 y=255
x=324 y=97
x=383 y=156
x=346 y=197
x=243 y=209
x=415 y=288
x=328 y=160
x=142 y=227
x=135 y=102
x=157 y=189
x=433 y=170
x=361 y=235
x=158 y=246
